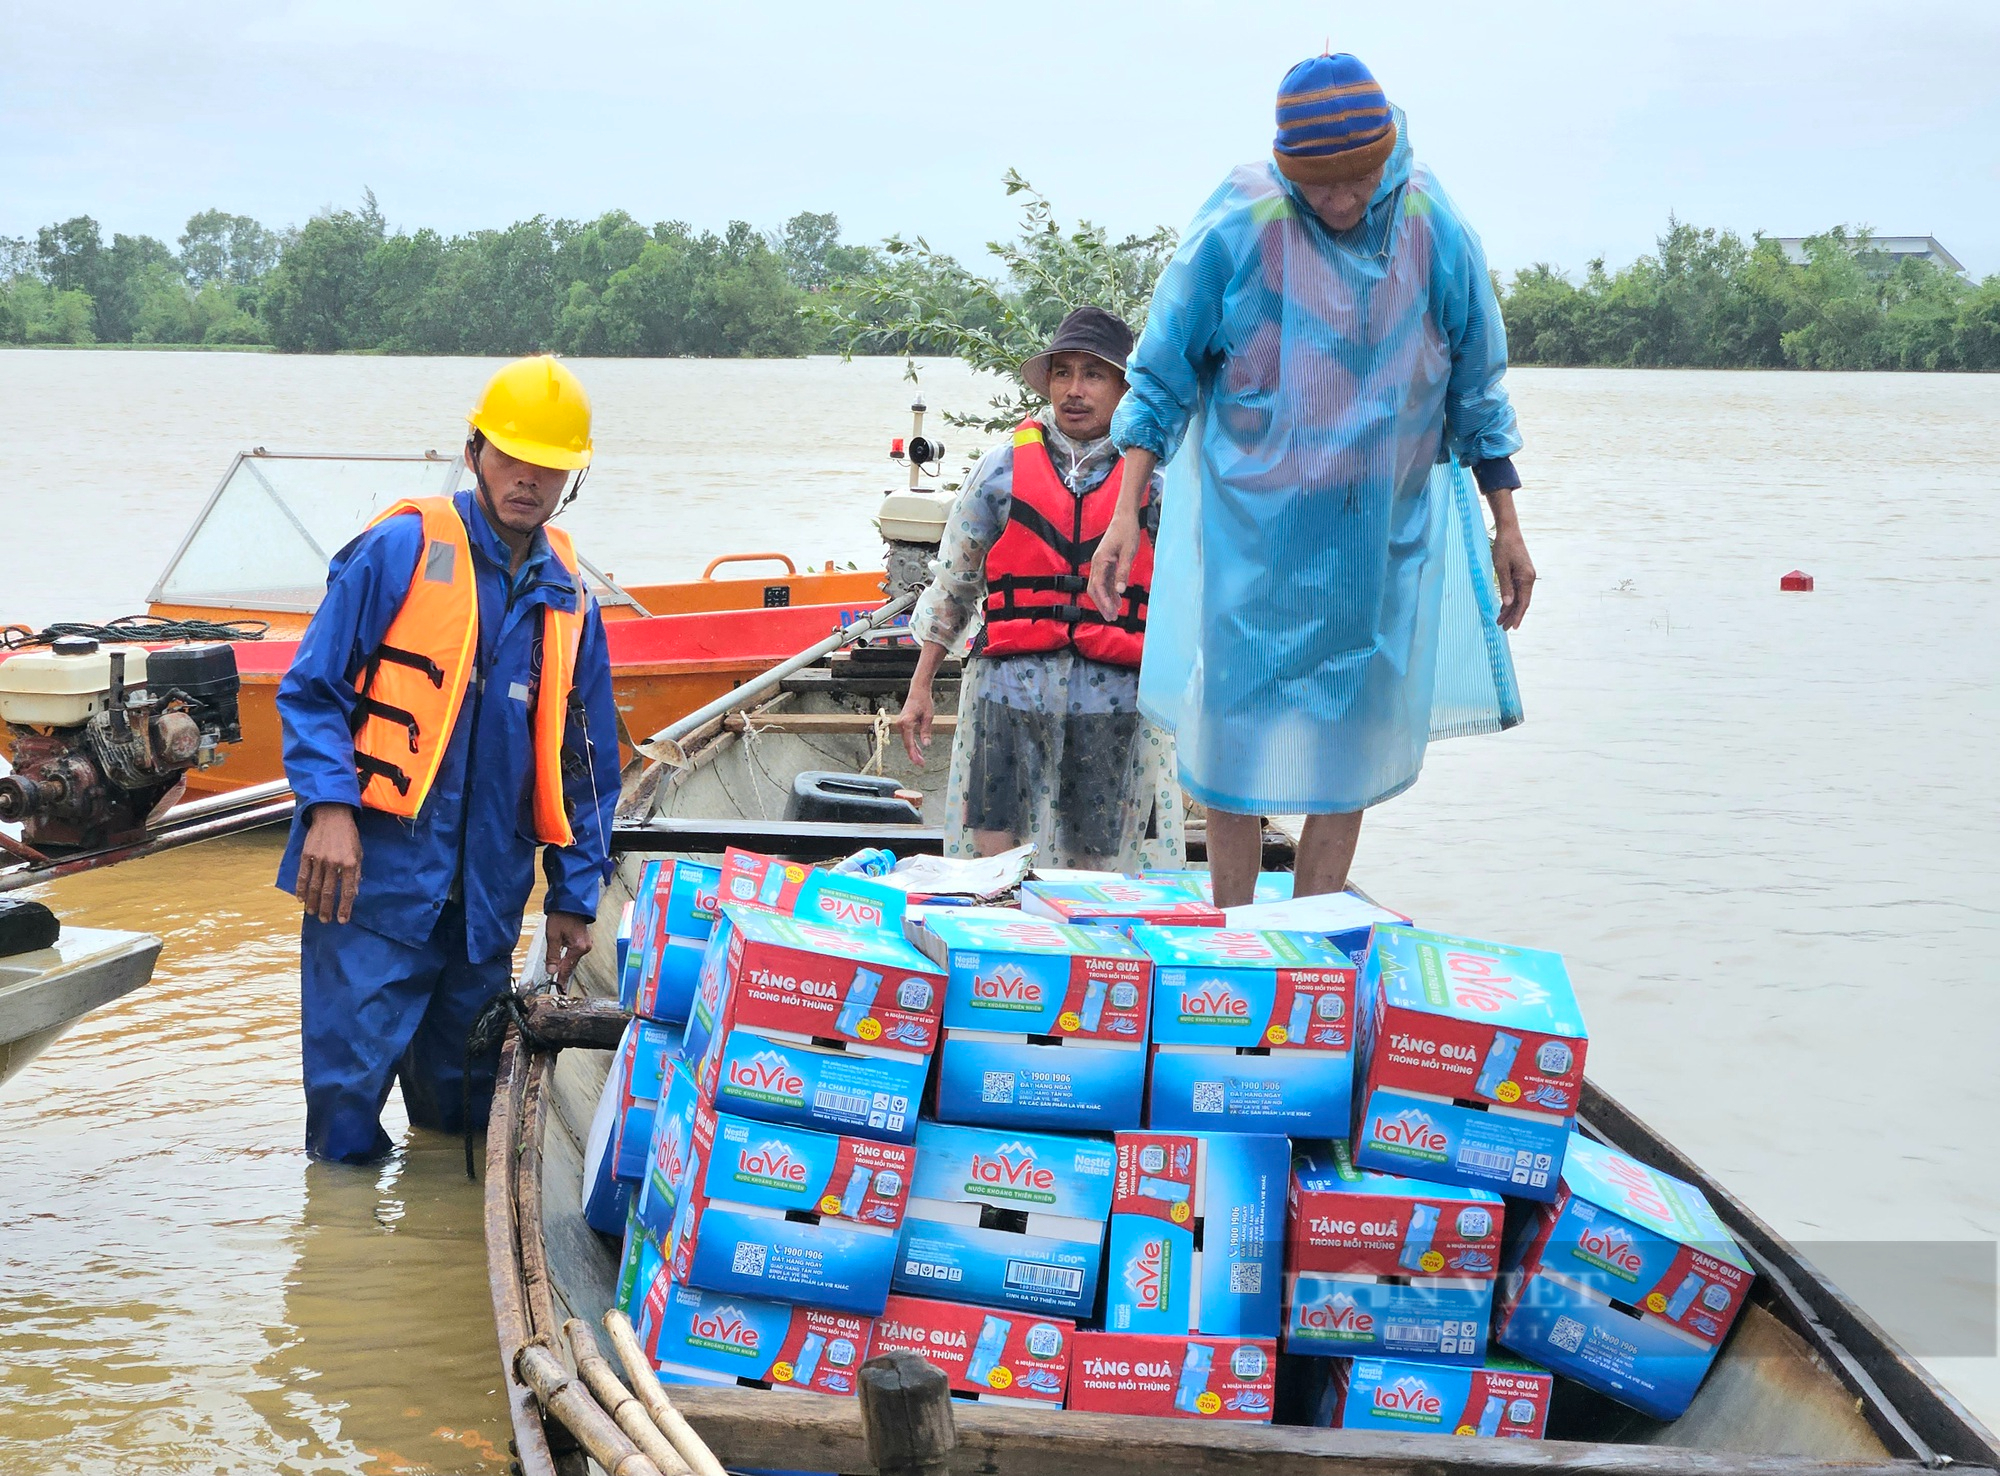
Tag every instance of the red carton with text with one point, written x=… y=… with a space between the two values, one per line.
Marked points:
x=1192 y=1378
x=1004 y=1356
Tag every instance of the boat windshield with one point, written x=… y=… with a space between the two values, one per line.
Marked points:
x=267 y=535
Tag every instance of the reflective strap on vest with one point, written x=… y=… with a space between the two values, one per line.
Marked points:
x=555 y=694
x=412 y=686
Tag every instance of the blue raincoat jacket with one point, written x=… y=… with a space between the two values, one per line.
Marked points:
x=480 y=832
x=1332 y=602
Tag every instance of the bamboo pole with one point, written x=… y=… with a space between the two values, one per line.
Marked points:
x=570 y=1402
x=693 y=1449
x=629 y=1412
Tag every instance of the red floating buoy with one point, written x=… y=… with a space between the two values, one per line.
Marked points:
x=1798 y=579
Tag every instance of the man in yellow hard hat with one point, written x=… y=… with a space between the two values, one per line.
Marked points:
x=449 y=711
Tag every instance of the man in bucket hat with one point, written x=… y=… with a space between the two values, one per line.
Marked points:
x=1327 y=342
x=1050 y=747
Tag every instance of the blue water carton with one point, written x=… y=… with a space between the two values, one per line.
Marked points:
x=1197 y=1234
x=637 y=1071
x=1470 y=1062
x=673 y=914
x=1342 y=920
x=667 y=1156
x=1439 y=1318
x=1119 y=905
x=1006 y=1219
x=841 y=900
x=1272 y=886
x=606 y=1197
x=1252 y=1032
x=1044 y=1023
x=1502 y=1397
x=769 y=1210
x=704 y=1336
x=775 y=1077
x=1628 y=1282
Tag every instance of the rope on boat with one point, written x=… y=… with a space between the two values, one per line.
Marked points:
x=489 y=1029
x=143 y=629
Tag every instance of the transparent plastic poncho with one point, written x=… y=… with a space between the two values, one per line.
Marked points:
x=1323 y=596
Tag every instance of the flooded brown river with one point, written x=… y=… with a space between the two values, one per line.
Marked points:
x=1760 y=826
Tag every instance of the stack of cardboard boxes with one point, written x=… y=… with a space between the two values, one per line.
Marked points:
x=1106 y=1152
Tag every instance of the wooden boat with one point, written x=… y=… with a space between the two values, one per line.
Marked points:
x=1807 y=1383
x=46 y=990
x=258 y=553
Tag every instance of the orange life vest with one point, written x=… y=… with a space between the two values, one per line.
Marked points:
x=413 y=685
x=1038 y=570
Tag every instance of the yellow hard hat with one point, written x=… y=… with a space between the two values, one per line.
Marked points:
x=535 y=410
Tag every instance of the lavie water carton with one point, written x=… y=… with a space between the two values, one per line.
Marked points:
x=1119 y=905
x=1272 y=886
x=1341 y=920
x=751 y=880
x=766 y=971
x=639 y=1069
x=659 y=1192
x=1627 y=1283
x=774 y=1077
x=1430 y=1317
x=771 y=1211
x=1471 y=1062
x=995 y=1357
x=606 y=1197
x=1502 y=1397
x=1197 y=1234
x=1044 y=1023
x=1188 y=1378
x=703 y=1334
x=1006 y=1219
x=1346 y=1220
x=673 y=912
x=1252 y=1031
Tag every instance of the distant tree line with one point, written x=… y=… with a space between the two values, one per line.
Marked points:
x=614 y=286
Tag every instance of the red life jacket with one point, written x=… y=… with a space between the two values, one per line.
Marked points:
x=1038 y=570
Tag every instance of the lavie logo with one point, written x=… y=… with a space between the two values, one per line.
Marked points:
x=1407 y=1396
x=1146 y=1274
x=851 y=912
x=725 y=1327
x=1408 y=1129
x=767 y=1071
x=1216 y=1003
x=1007 y=986
x=1640 y=1192
x=1476 y=984
x=1612 y=1246
x=1338 y=1315
x=1012 y=1166
x=771 y=1161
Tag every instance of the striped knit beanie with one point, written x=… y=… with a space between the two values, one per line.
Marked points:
x=1333 y=121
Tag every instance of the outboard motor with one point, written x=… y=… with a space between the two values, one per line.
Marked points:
x=99 y=735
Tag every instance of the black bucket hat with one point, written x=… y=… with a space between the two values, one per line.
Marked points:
x=1088 y=330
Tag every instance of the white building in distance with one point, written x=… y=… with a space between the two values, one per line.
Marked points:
x=1898 y=249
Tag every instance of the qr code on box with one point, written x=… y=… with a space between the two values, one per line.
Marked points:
x=1210 y=1096
x=1246 y=1278
x=749 y=1259
x=1567 y=1334
x=996 y=1086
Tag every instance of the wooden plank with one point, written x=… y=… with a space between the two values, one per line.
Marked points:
x=748 y=1427
x=823 y=722
x=802 y=840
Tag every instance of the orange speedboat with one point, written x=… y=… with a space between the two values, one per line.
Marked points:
x=259 y=551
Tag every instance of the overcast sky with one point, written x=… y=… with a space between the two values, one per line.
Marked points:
x=1565 y=131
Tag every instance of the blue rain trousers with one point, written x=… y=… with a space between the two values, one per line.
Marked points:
x=1323 y=600
x=373 y=1011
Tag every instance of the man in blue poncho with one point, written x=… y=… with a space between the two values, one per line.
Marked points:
x=1327 y=340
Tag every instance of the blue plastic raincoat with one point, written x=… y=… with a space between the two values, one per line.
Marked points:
x=391 y=993
x=1339 y=605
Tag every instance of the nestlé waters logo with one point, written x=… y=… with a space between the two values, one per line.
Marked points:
x=1012 y=1166
x=1409 y=1395
x=767 y=1071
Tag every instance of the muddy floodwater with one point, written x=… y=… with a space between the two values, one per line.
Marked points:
x=1761 y=826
